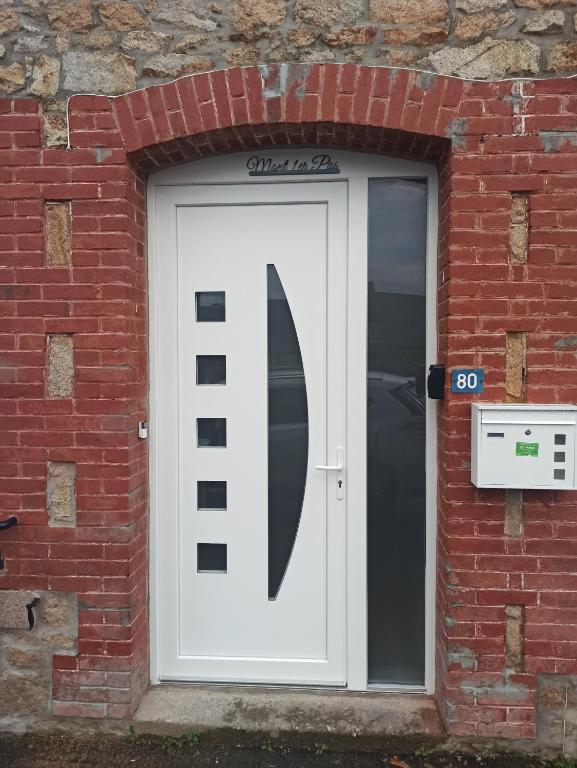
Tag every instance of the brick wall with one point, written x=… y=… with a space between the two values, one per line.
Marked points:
x=507 y=561
x=73 y=386
x=74 y=289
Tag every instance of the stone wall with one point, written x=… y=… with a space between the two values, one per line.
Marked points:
x=54 y=49
x=27 y=654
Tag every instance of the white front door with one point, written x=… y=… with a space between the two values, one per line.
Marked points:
x=250 y=349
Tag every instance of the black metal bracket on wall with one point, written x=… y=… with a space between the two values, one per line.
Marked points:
x=10 y=522
x=30 y=609
x=436 y=382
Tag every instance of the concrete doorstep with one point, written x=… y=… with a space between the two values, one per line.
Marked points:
x=184 y=708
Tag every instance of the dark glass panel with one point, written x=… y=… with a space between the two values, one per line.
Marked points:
x=211 y=494
x=396 y=431
x=288 y=432
x=211 y=557
x=211 y=369
x=210 y=307
x=211 y=433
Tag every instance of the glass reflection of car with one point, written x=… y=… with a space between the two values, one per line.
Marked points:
x=396 y=439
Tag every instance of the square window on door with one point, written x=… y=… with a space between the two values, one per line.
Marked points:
x=210 y=307
x=211 y=433
x=211 y=369
x=560 y=439
x=211 y=558
x=211 y=494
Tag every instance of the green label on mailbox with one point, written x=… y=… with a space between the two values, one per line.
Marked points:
x=526 y=449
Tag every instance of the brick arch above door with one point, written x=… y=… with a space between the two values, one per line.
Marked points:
x=372 y=108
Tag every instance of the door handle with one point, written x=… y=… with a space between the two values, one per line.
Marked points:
x=338 y=468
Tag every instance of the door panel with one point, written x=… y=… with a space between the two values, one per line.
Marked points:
x=253 y=399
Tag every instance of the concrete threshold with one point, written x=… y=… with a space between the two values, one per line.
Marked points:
x=177 y=708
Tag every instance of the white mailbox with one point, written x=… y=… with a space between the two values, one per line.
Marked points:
x=523 y=446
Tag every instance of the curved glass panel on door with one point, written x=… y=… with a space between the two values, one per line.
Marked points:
x=288 y=432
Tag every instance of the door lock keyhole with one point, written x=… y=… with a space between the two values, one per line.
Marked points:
x=340 y=483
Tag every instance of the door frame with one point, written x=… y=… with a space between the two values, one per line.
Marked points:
x=355 y=168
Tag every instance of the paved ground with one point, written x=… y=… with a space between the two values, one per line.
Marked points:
x=106 y=751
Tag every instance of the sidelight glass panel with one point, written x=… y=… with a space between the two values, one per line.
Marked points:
x=396 y=431
x=211 y=494
x=211 y=433
x=211 y=369
x=211 y=558
x=210 y=307
x=288 y=432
